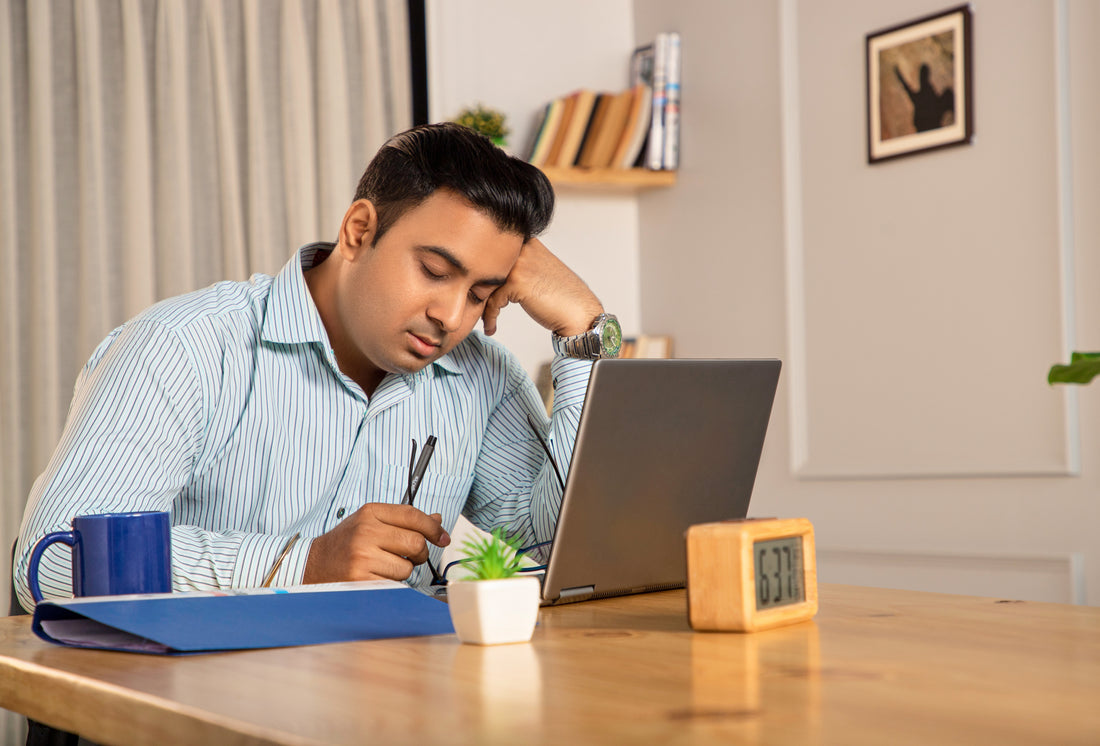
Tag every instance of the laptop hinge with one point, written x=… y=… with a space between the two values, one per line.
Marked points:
x=577 y=594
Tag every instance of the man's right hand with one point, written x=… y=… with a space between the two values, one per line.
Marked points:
x=379 y=540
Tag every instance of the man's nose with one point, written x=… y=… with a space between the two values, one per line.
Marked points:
x=447 y=310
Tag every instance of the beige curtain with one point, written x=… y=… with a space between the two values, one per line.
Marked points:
x=152 y=147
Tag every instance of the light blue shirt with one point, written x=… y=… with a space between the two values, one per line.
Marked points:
x=226 y=407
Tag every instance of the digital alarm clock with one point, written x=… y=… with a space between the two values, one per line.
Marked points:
x=751 y=574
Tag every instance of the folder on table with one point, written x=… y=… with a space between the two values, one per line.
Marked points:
x=175 y=623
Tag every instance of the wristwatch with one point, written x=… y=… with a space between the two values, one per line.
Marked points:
x=602 y=340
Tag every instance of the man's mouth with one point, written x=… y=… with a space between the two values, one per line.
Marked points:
x=424 y=346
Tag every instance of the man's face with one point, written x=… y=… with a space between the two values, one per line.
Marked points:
x=419 y=291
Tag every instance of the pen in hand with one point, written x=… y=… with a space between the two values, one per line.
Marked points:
x=417 y=473
x=416 y=476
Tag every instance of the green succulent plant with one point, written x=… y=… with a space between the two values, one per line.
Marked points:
x=488 y=122
x=1082 y=368
x=492 y=557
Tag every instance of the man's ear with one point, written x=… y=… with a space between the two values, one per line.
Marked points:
x=358 y=229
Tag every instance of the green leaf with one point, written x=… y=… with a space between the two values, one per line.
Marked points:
x=492 y=557
x=1082 y=368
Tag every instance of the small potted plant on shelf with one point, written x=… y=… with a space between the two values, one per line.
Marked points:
x=495 y=603
x=488 y=122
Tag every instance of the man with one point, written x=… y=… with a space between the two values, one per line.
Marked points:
x=280 y=407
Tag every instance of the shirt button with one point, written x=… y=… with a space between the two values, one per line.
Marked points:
x=340 y=513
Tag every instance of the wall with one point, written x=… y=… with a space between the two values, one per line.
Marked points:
x=913 y=425
x=516 y=57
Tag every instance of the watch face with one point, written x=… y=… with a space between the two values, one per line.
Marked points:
x=611 y=337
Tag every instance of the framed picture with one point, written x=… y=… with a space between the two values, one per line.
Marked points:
x=919 y=92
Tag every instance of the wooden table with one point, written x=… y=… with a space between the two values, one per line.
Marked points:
x=875 y=667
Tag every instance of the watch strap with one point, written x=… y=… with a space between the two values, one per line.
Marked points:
x=586 y=346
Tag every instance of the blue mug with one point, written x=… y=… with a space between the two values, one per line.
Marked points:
x=114 y=554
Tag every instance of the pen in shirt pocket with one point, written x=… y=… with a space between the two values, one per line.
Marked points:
x=416 y=473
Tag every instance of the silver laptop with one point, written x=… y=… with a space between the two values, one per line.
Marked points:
x=662 y=445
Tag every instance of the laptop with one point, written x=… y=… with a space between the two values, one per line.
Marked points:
x=661 y=445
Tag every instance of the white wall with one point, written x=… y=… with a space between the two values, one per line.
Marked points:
x=516 y=57
x=913 y=426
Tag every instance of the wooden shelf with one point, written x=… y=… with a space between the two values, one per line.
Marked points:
x=609 y=179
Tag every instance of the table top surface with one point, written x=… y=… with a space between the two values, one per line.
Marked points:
x=874 y=666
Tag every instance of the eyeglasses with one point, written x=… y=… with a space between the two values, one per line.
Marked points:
x=440 y=579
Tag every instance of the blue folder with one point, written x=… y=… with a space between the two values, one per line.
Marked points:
x=180 y=623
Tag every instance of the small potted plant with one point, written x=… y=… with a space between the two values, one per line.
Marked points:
x=495 y=604
x=488 y=122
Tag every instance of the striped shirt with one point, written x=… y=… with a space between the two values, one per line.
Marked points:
x=226 y=407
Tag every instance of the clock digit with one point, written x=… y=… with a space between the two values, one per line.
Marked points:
x=765 y=592
x=778 y=576
x=790 y=571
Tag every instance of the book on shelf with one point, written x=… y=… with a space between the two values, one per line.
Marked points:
x=548 y=132
x=641 y=66
x=655 y=150
x=569 y=104
x=536 y=131
x=611 y=129
x=658 y=65
x=636 y=128
x=599 y=114
x=671 y=157
x=575 y=128
x=590 y=129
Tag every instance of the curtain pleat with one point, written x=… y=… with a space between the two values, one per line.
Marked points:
x=151 y=147
x=334 y=138
x=13 y=451
x=138 y=277
x=93 y=260
x=261 y=194
x=296 y=116
x=51 y=215
x=174 y=207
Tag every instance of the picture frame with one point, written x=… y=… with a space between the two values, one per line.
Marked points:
x=920 y=85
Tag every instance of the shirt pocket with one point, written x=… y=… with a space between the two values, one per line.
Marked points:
x=445 y=494
x=440 y=492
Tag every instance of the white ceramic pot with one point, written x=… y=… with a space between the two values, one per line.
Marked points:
x=491 y=612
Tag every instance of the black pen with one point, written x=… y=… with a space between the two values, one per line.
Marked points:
x=418 y=472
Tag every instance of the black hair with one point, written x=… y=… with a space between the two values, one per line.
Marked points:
x=412 y=165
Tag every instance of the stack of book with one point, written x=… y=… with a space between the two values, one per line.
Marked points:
x=636 y=127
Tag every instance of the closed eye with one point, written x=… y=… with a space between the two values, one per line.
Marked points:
x=430 y=274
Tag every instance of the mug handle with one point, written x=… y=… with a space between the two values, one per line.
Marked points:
x=69 y=537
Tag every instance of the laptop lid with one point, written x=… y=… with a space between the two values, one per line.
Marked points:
x=661 y=445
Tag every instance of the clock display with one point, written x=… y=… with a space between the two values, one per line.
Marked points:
x=751 y=574
x=779 y=578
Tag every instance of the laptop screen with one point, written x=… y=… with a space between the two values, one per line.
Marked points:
x=662 y=445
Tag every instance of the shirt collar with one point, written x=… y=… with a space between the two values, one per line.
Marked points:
x=292 y=316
